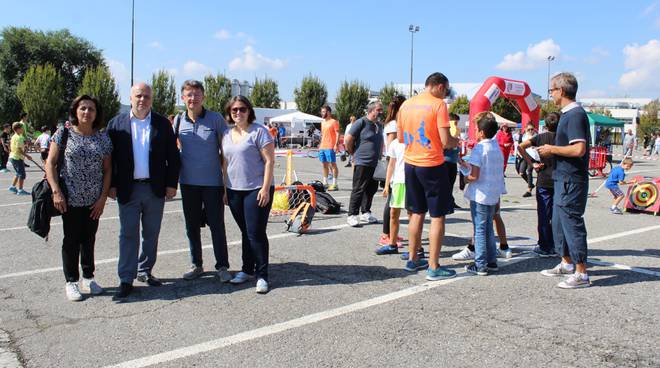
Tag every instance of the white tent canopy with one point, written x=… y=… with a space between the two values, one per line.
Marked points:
x=298 y=121
x=502 y=120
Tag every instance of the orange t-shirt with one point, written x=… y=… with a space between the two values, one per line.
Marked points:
x=417 y=127
x=273 y=132
x=329 y=132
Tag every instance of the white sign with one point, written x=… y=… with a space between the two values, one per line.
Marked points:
x=531 y=102
x=492 y=93
x=514 y=88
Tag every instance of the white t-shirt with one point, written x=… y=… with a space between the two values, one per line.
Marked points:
x=389 y=128
x=395 y=152
x=657 y=141
x=490 y=186
x=43 y=141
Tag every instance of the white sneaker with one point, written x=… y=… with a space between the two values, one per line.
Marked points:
x=353 y=221
x=575 y=281
x=224 y=275
x=504 y=253
x=72 y=292
x=262 y=286
x=559 y=270
x=464 y=255
x=368 y=218
x=91 y=286
x=240 y=278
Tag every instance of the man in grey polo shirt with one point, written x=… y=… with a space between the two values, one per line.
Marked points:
x=200 y=137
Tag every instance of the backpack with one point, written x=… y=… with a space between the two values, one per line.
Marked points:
x=301 y=219
x=326 y=204
x=42 y=198
x=297 y=196
x=317 y=185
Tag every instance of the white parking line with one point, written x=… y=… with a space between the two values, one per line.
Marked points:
x=15 y=204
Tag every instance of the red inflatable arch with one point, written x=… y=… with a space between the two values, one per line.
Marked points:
x=495 y=87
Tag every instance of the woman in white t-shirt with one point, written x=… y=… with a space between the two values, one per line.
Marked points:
x=43 y=142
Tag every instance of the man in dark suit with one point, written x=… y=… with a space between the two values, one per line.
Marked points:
x=145 y=171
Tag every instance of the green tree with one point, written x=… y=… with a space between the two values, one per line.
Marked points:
x=461 y=105
x=548 y=107
x=98 y=82
x=265 y=94
x=507 y=108
x=311 y=95
x=164 y=93
x=23 y=48
x=352 y=99
x=386 y=94
x=600 y=110
x=217 y=92
x=649 y=122
x=40 y=92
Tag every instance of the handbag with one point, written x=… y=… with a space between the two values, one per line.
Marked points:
x=381 y=171
x=50 y=207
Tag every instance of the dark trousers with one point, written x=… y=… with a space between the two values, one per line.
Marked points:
x=4 y=157
x=364 y=188
x=386 y=214
x=569 y=231
x=527 y=172
x=252 y=221
x=79 y=239
x=544 y=213
x=194 y=198
x=452 y=171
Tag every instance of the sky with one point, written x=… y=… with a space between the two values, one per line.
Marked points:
x=613 y=47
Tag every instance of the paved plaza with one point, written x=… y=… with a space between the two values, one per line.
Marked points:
x=334 y=303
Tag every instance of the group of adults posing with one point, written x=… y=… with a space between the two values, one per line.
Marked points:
x=422 y=125
x=140 y=160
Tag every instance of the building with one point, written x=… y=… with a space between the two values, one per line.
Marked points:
x=628 y=110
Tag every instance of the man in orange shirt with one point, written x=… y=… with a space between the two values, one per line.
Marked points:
x=329 y=145
x=423 y=126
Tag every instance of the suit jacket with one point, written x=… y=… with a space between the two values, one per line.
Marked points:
x=164 y=161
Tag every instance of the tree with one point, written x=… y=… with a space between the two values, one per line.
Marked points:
x=164 y=93
x=217 y=92
x=507 y=108
x=547 y=108
x=40 y=92
x=265 y=94
x=600 y=110
x=98 y=82
x=649 y=122
x=23 y=48
x=352 y=99
x=386 y=94
x=311 y=95
x=461 y=105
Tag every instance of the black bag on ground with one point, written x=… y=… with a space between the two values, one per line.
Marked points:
x=317 y=185
x=301 y=219
x=326 y=204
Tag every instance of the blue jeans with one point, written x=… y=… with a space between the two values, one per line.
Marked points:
x=569 y=230
x=485 y=249
x=252 y=221
x=194 y=198
x=544 y=214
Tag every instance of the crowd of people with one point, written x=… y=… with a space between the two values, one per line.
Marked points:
x=224 y=158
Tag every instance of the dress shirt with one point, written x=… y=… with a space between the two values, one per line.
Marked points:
x=140 y=135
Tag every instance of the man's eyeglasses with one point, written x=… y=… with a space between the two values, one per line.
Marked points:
x=235 y=110
x=553 y=89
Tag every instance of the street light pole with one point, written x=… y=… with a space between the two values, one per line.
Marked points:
x=550 y=59
x=132 y=38
x=412 y=29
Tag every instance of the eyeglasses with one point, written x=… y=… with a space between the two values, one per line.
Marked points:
x=553 y=89
x=236 y=110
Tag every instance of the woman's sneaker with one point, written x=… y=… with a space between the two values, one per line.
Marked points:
x=262 y=286
x=420 y=264
x=406 y=255
x=12 y=189
x=73 y=292
x=439 y=273
x=464 y=255
x=240 y=278
x=387 y=249
x=559 y=270
x=91 y=286
x=504 y=253
x=479 y=271
x=575 y=281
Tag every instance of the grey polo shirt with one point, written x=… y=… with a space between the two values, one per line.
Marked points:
x=200 y=144
x=368 y=142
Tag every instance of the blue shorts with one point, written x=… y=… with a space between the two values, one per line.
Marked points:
x=427 y=189
x=616 y=192
x=19 y=167
x=327 y=155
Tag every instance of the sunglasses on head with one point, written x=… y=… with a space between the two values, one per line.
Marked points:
x=242 y=109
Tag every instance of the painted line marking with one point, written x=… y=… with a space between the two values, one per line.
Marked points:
x=15 y=204
x=624 y=267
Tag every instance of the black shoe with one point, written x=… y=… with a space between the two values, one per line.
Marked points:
x=348 y=165
x=26 y=165
x=150 y=280
x=457 y=206
x=124 y=291
x=527 y=194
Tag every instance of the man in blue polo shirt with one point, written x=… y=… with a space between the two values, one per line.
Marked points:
x=571 y=183
x=200 y=136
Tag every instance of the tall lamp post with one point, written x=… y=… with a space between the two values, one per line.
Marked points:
x=132 y=38
x=412 y=29
x=550 y=59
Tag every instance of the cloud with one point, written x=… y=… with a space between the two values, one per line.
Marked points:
x=252 y=60
x=597 y=55
x=195 y=68
x=156 y=45
x=594 y=93
x=649 y=9
x=643 y=65
x=536 y=56
x=222 y=34
x=122 y=75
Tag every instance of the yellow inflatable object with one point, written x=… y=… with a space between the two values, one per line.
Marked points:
x=280 y=201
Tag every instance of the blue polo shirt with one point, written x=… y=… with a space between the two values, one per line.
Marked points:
x=200 y=143
x=573 y=127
